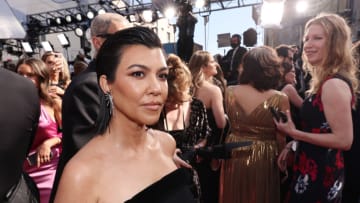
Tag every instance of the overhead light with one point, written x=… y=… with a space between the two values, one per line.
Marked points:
x=59 y=20
x=200 y=3
x=147 y=16
x=132 y=18
x=27 y=47
x=170 y=12
x=79 y=17
x=90 y=15
x=301 y=6
x=50 y=22
x=69 y=18
x=79 y=32
x=63 y=39
x=101 y=11
x=46 y=45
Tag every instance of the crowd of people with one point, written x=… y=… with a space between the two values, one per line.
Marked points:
x=139 y=125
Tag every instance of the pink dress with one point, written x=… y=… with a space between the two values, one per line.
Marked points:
x=45 y=174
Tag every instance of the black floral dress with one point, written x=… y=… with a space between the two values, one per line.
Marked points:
x=318 y=171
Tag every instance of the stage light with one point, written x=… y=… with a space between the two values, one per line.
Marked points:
x=147 y=16
x=132 y=18
x=170 y=13
x=101 y=11
x=200 y=3
x=301 y=6
x=27 y=47
x=50 y=22
x=79 y=32
x=46 y=45
x=69 y=18
x=79 y=17
x=59 y=20
x=63 y=39
x=271 y=14
x=90 y=15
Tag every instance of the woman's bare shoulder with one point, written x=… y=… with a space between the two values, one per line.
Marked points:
x=77 y=182
x=166 y=140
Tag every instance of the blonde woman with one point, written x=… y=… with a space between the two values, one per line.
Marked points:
x=203 y=68
x=59 y=72
x=326 y=113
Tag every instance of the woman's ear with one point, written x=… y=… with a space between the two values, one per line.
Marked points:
x=104 y=84
x=96 y=43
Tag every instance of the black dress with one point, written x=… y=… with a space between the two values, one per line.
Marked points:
x=172 y=188
x=318 y=172
x=187 y=138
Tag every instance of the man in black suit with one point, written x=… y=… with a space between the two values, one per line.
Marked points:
x=231 y=61
x=19 y=116
x=81 y=101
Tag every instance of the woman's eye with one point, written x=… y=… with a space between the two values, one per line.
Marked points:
x=163 y=76
x=138 y=74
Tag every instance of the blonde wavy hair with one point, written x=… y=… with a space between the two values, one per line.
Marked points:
x=197 y=61
x=179 y=80
x=338 y=60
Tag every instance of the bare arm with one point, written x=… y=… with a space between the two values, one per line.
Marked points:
x=75 y=185
x=294 y=97
x=281 y=136
x=336 y=98
x=217 y=107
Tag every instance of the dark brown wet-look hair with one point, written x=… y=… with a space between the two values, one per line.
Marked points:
x=110 y=56
x=261 y=68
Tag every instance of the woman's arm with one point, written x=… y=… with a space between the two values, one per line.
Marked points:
x=44 y=150
x=294 y=97
x=336 y=98
x=281 y=136
x=76 y=184
x=217 y=107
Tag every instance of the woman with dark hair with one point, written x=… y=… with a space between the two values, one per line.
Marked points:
x=45 y=150
x=128 y=161
x=251 y=174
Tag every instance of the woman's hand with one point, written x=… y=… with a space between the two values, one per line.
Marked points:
x=56 y=91
x=282 y=159
x=43 y=153
x=178 y=161
x=288 y=127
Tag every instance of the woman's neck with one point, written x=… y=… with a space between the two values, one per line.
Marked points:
x=125 y=132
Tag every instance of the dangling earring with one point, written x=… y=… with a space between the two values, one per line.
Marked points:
x=109 y=102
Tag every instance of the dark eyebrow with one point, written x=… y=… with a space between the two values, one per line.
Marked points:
x=146 y=67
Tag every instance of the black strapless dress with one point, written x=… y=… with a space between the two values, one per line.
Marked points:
x=172 y=188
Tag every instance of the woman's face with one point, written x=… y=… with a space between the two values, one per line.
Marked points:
x=210 y=68
x=27 y=71
x=315 y=44
x=54 y=63
x=140 y=88
x=290 y=77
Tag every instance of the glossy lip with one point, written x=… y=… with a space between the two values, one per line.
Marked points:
x=153 y=106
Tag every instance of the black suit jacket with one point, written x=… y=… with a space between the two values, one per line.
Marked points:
x=19 y=116
x=80 y=109
x=231 y=69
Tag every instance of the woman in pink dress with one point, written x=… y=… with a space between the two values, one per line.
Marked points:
x=44 y=153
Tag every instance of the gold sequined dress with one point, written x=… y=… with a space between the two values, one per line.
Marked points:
x=251 y=175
